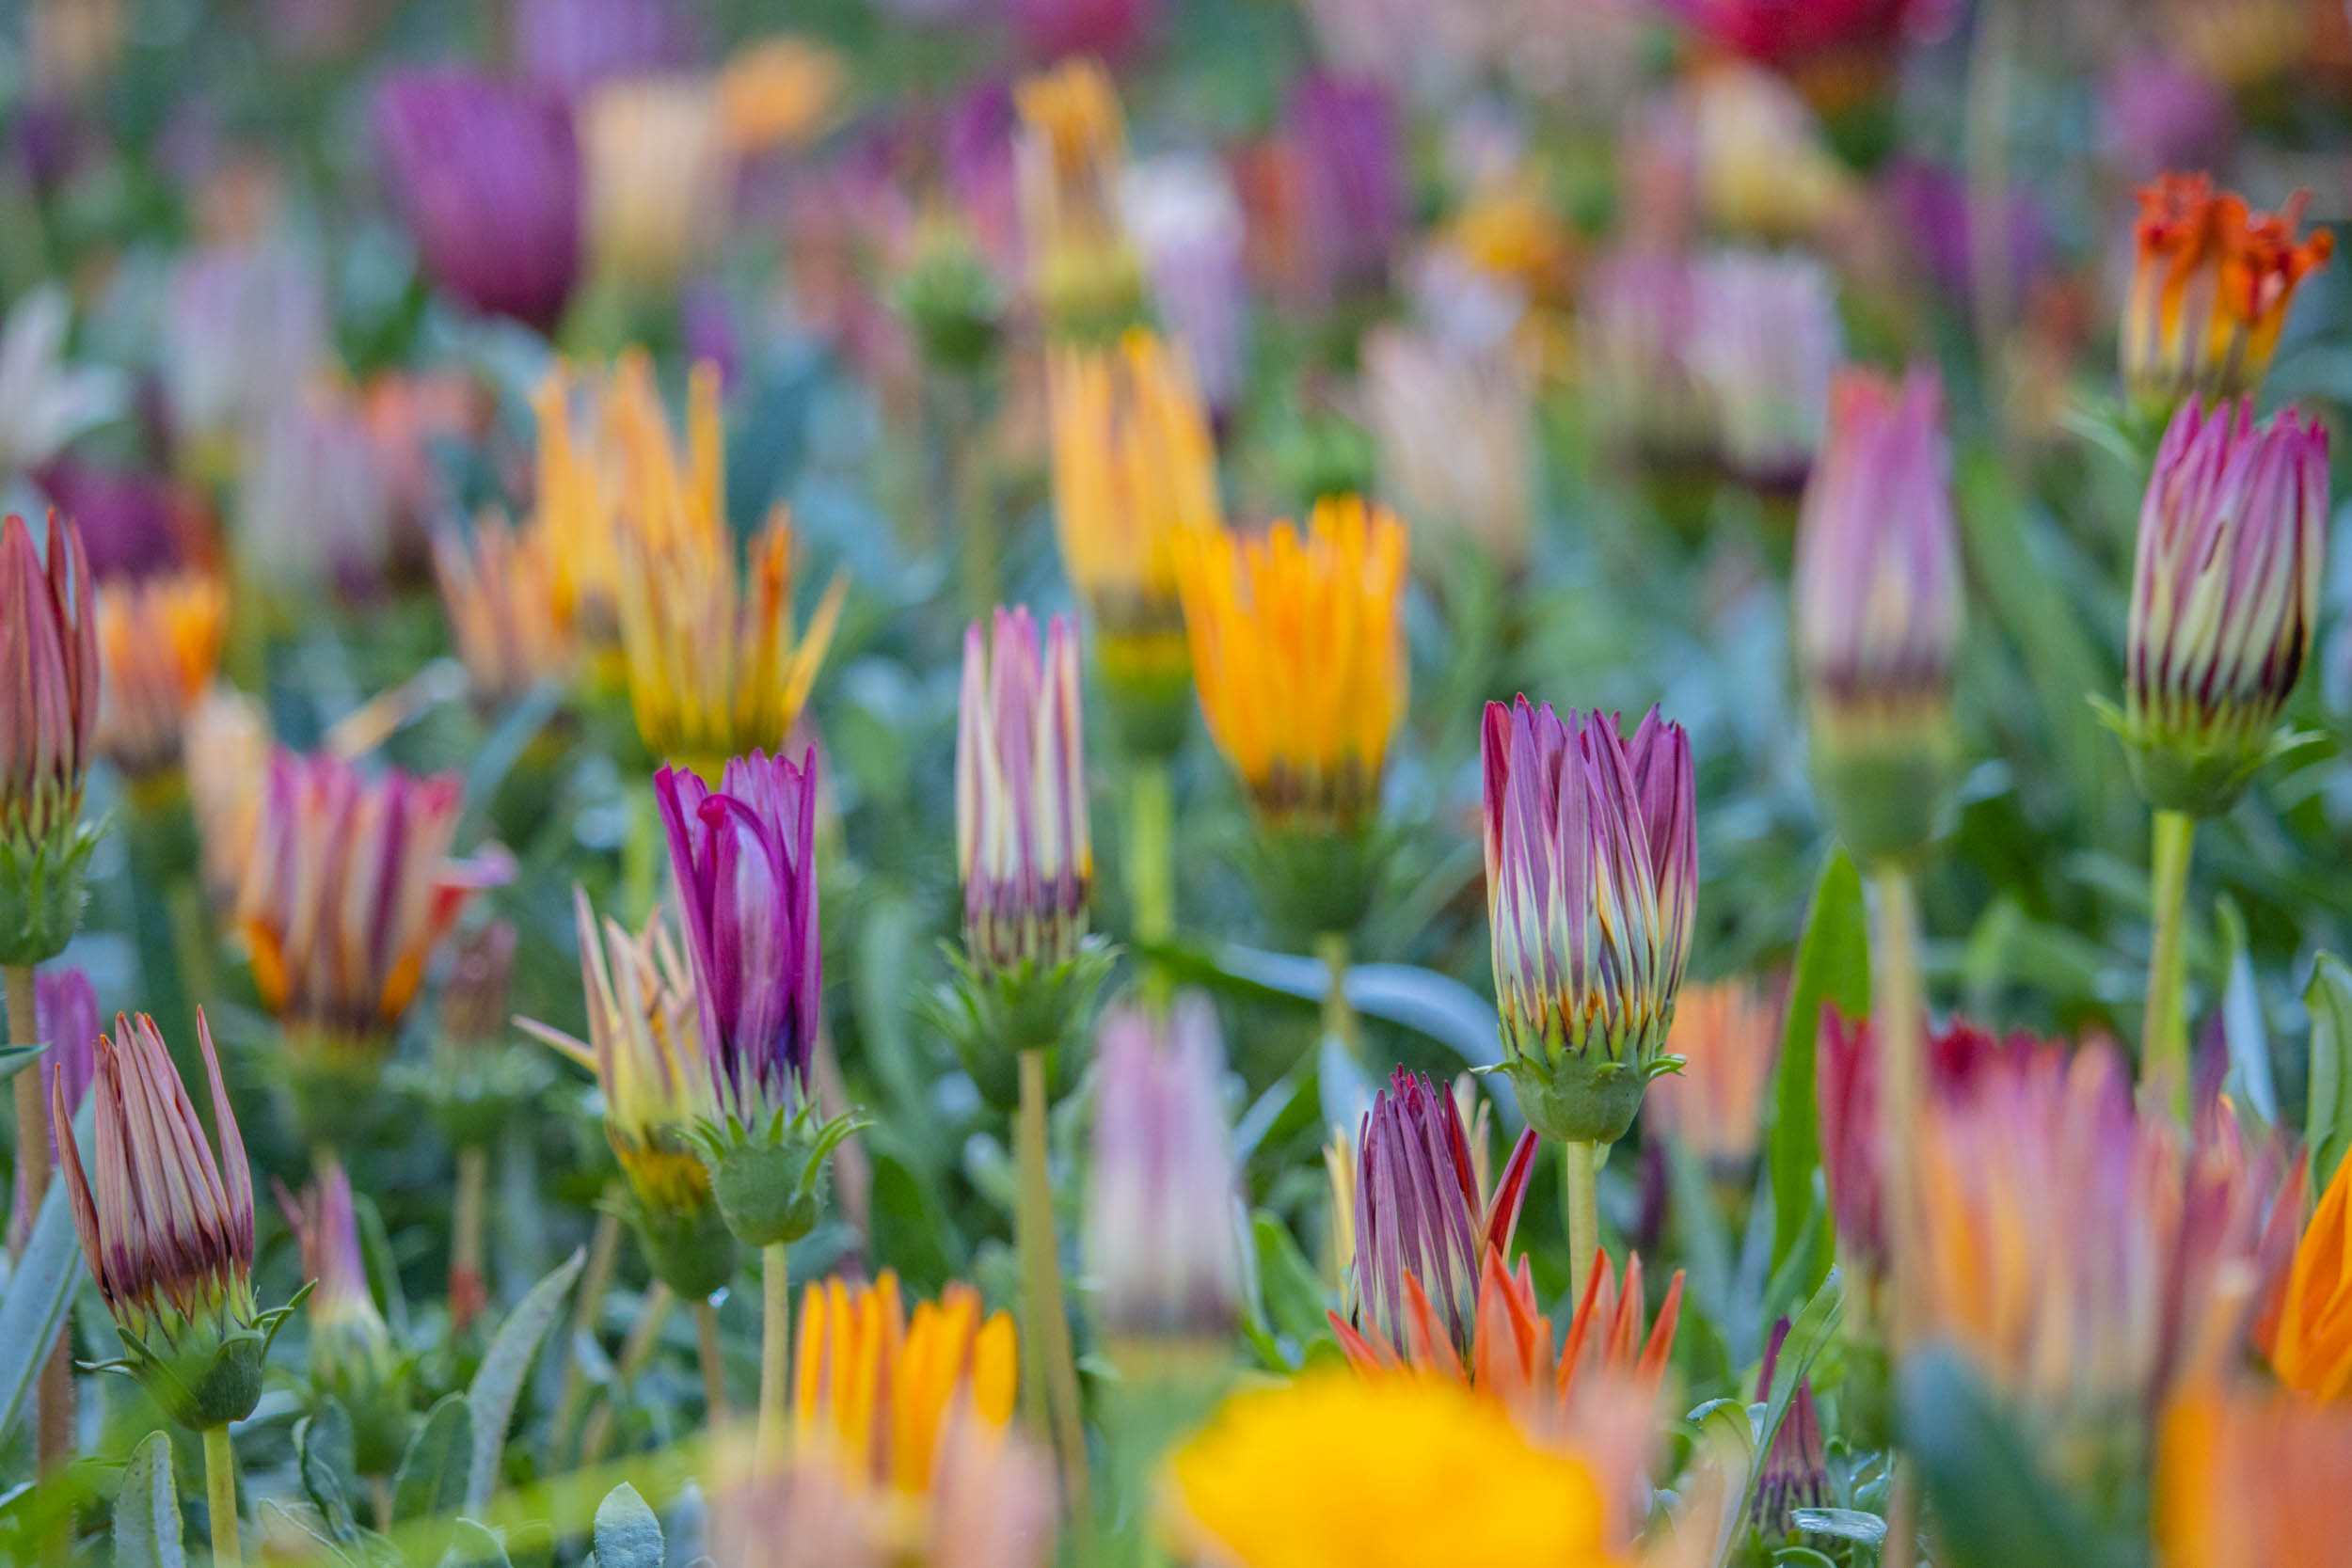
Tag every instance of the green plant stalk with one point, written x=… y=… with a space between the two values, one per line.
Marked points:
x=1339 y=1018
x=714 y=1367
x=53 y=1440
x=644 y=1336
x=2164 y=1042
x=603 y=1252
x=466 y=1292
x=775 y=1346
x=220 y=1496
x=1047 y=1321
x=1580 y=1196
x=956 y=405
x=1152 y=849
x=1897 y=1012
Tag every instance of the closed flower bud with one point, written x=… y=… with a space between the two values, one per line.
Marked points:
x=65 y=1009
x=1021 y=840
x=162 y=640
x=1796 y=1467
x=2224 y=599
x=48 y=729
x=1878 y=612
x=1592 y=874
x=352 y=1357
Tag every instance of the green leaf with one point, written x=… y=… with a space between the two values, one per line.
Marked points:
x=1807 y=1335
x=1994 y=1508
x=1291 y=1295
x=476 y=1545
x=16 y=1058
x=627 y=1535
x=1725 y=1440
x=2242 y=1018
x=39 y=1287
x=1436 y=1006
x=432 y=1475
x=147 y=1510
x=1834 y=966
x=323 y=1450
x=499 y=1381
x=2328 y=1109
x=1846 y=1524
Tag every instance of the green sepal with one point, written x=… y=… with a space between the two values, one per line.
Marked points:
x=770 y=1181
x=43 y=889
x=1314 y=879
x=990 y=1018
x=208 y=1370
x=1580 y=1097
x=689 y=1248
x=1144 y=679
x=2198 y=777
x=1883 y=784
x=473 y=1093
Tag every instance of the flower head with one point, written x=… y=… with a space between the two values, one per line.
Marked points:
x=1335 y=1472
x=1342 y=132
x=2210 y=291
x=877 y=1392
x=1728 y=1033
x=352 y=1357
x=2310 y=1345
x=1592 y=873
x=1456 y=430
x=1070 y=150
x=2225 y=599
x=161 y=643
x=1638 y=342
x=499 y=590
x=1298 y=651
x=1161 y=1211
x=65 y=1009
x=49 y=655
x=487 y=176
x=45 y=402
x=2248 y=1478
x=226 y=747
x=656 y=172
x=1765 y=341
x=1021 y=796
x=1796 y=1467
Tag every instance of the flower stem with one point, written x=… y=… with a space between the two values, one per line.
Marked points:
x=1152 y=849
x=1338 y=1017
x=603 y=1252
x=714 y=1366
x=1580 y=1195
x=2164 y=1042
x=53 y=1439
x=644 y=1336
x=1047 y=1321
x=220 y=1496
x=775 y=1347
x=1898 y=1015
x=466 y=1297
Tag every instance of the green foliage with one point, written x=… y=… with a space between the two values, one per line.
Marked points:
x=147 y=1531
x=1832 y=967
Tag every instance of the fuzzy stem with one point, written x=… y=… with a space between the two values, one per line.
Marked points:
x=1339 y=1016
x=1580 y=1192
x=714 y=1366
x=220 y=1496
x=644 y=1336
x=53 y=1439
x=380 y=1488
x=775 y=1347
x=2164 y=1044
x=1152 y=849
x=1046 y=1318
x=466 y=1297
x=603 y=1252
x=1900 y=1549
x=1898 y=1016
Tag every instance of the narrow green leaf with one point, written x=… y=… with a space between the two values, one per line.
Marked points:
x=1725 y=1441
x=499 y=1381
x=476 y=1545
x=1293 y=1299
x=627 y=1535
x=323 y=1450
x=1834 y=966
x=432 y=1475
x=147 y=1510
x=2242 y=1018
x=1807 y=1335
x=16 y=1058
x=40 y=1288
x=1994 y=1506
x=2327 y=1108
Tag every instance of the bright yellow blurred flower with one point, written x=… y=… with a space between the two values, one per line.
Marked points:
x=159 y=643
x=2312 y=1349
x=1335 y=1472
x=2248 y=1480
x=1298 y=652
x=877 y=1390
x=779 y=92
x=1071 y=151
x=498 y=589
x=1728 y=1033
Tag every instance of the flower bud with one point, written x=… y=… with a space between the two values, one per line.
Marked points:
x=1021 y=840
x=352 y=1357
x=48 y=723
x=2224 y=599
x=1592 y=874
x=499 y=590
x=162 y=640
x=1796 y=1467
x=65 y=1010
x=1071 y=148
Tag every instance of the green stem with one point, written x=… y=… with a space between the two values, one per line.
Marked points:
x=603 y=1252
x=1580 y=1196
x=1151 y=860
x=466 y=1295
x=775 y=1346
x=220 y=1496
x=2164 y=1043
x=1339 y=1018
x=640 y=851
x=714 y=1366
x=644 y=1336
x=1899 y=1007
x=1046 y=1317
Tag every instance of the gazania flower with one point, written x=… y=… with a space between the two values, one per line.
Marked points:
x=877 y=1392
x=1298 y=652
x=1335 y=1472
x=573 y=45
x=1022 y=842
x=1638 y=342
x=1764 y=344
x=779 y=94
x=2210 y=291
x=1796 y=1467
x=656 y=173
x=48 y=724
x=226 y=749
x=1592 y=873
x=352 y=1357
x=160 y=640
x=2246 y=1479
x=1071 y=148
x=347 y=891
x=1342 y=132
x=66 y=1011
x=44 y=401
x=2310 y=1347
x=2225 y=598
x=1728 y=1033
x=1456 y=430
x=499 y=590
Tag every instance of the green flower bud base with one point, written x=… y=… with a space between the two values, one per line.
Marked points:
x=1146 y=686
x=41 y=893
x=1583 y=1099
x=1883 y=784
x=992 y=1016
x=690 y=1249
x=1312 y=880
x=204 y=1370
x=770 y=1181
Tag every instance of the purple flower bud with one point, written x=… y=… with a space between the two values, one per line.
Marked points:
x=1344 y=132
x=49 y=660
x=744 y=856
x=573 y=45
x=487 y=176
x=1796 y=1467
x=1592 y=874
x=65 y=1009
x=1186 y=222
x=1021 y=840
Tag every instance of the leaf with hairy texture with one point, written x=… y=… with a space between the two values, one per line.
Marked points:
x=146 y=1509
x=627 y=1534
x=499 y=1381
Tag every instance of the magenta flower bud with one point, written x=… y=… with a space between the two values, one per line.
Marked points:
x=1592 y=873
x=1022 y=841
x=1796 y=1467
x=48 y=729
x=1423 y=1224
x=487 y=177
x=1765 y=344
x=1352 y=174
x=1877 y=610
x=2225 y=597
x=1162 y=1231
x=352 y=1357
x=65 y=1009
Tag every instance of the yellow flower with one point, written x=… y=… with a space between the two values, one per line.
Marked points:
x=2312 y=1349
x=498 y=589
x=1728 y=1037
x=1335 y=1472
x=879 y=1391
x=1299 y=654
x=1071 y=149
x=2246 y=1480
x=159 y=643
x=779 y=92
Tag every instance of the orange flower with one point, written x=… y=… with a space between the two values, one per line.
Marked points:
x=2210 y=290
x=1298 y=653
x=1070 y=154
x=1728 y=1037
x=2311 y=1349
x=2246 y=1479
x=499 y=590
x=159 y=643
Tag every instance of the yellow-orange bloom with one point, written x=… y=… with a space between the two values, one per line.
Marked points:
x=779 y=93
x=2210 y=291
x=1728 y=1037
x=499 y=590
x=1071 y=149
x=658 y=175
x=878 y=1389
x=159 y=643
x=1298 y=652
x=2311 y=1349
x=1335 y=1472
x=226 y=746
x=2248 y=1480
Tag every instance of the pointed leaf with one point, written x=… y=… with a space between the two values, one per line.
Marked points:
x=147 y=1510
x=40 y=1288
x=476 y=1545
x=1807 y=1336
x=498 y=1381
x=322 y=1449
x=1846 y=1524
x=2242 y=1018
x=2328 y=1106
x=1833 y=965
x=16 y=1058
x=627 y=1534
x=432 y=1475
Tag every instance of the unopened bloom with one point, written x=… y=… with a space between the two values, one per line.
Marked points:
x=487 y=177
x=1591 y=875
x=167 y=1229
x=2225 y=599
x=1342 y=132
x=1763 y=346
x=2311 y=1348
x=656 y=171
x=1457 y=430
x=1162 y=1231
x=240 y=328
x=876 y=1391
x=1877 y=610
x=1298 y=652
x=1022 y=841
x=573 y=45
x=161 y=641
x=2247 y=1477
x=1796 y=1467
x=1638 y=341
x=65 y=1010
x=352 y=1357
x=1071 y=148
x=1338 y=1471
x=1727 y=1035
x=499 y=590
x=2210 y=291
x=48 y=730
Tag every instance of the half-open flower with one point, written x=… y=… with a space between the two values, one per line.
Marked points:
x=160 y=639
x=1591 y=875
x=48 y=729
x=1021 y=840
